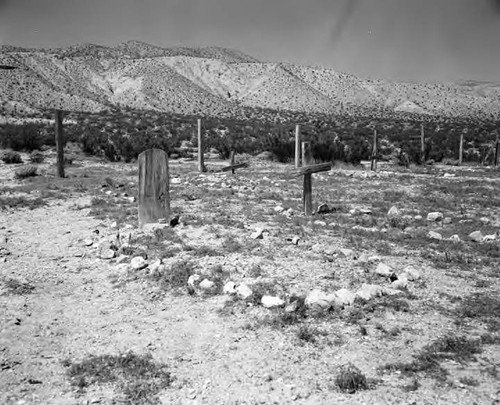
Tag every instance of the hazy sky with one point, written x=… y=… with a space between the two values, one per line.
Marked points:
x=431 y=40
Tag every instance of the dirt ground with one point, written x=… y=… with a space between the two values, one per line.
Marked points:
x=224 y=351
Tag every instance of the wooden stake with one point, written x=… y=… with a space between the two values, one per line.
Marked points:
x=201 y=149
x=154 y=197
x=231 y=160
x=297 y=146
x=59 y=142
x=422 y=144
x=461 y=149
x=307 y=192
x=374 y=151
x=497 y=146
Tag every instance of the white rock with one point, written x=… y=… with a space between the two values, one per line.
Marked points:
x=374 y=259
x=206 y=285
x=454 y=238
x=229 y=288
x=155 y=265
x=323 y=208
x=317 y=299
x=122 y=259
x=258 y=234
x=489 y=238
x=320 y=223
x=114 y=225
x=394 y=212
x=131 y=199
x=447 y=221
x=384 y=270
x=434 y=216
x=295 y=240
x=369 y=291
x=434 y=235
x=88 y=242
x=344 y=297
x=138 y=263
x=175 y=180
x=347 y=253
x=289 y=212
x=417 y=217
x=279 y=209
x=484 y=220
x=193 y=279
x=476 y=236
x=271 y=302
x=400 y=284
x=107 y=253
x=243 y=291
x=410 y=273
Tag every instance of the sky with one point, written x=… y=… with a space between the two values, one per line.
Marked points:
x=415 y=40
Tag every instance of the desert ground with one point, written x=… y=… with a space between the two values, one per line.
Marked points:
x=388 y=295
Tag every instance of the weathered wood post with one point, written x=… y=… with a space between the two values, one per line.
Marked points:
x=461 y=149
x=297 y=146
x=374 y=151
x=201 y=149
x=59 y=142
x=307 y=172
x=154 y=197
x=497 y=146
x=307 y=195
x=422 y=144
x=231 y=160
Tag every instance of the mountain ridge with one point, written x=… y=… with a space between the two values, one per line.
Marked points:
x=218 y=81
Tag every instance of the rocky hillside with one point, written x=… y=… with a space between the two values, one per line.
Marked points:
x=216 y=82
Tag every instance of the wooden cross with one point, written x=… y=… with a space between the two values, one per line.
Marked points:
x=154 y=197
x=307 y=172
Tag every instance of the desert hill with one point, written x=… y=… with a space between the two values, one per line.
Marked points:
x=216 y=81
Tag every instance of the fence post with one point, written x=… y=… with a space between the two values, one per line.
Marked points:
x=374 y=151
x=59 y=142
x=154 y=197
x=307 y=192
x=422 y=144
x=201 y=149
x=497 y=145
x=297 y=146
x=231 y=160
x=461 y=149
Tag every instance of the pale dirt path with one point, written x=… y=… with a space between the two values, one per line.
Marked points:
x=75 y=312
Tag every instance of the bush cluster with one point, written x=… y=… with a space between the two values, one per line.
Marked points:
x=11 y=157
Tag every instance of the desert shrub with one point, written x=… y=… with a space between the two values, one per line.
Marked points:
x=11 y=157
x=98 y=143
x=25 y=172
x=350 y=379
x=137 y=377
x=21 y=137
x=37 y=157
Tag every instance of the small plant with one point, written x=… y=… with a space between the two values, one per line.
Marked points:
x=25 y=172
x=37 y=157
x=21 y=202
x=350 y=379
x=138 y=378
x=176 y=276
x=16 y=287
x=11 y=157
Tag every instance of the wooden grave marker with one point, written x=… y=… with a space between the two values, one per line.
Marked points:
x=59 y=142
x=374 y=151
x=154 y=197
x=297 y=146
x=307 y=171
x=201 y=149
x=497 y=146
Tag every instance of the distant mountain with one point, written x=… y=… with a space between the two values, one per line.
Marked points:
x=216 y=81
